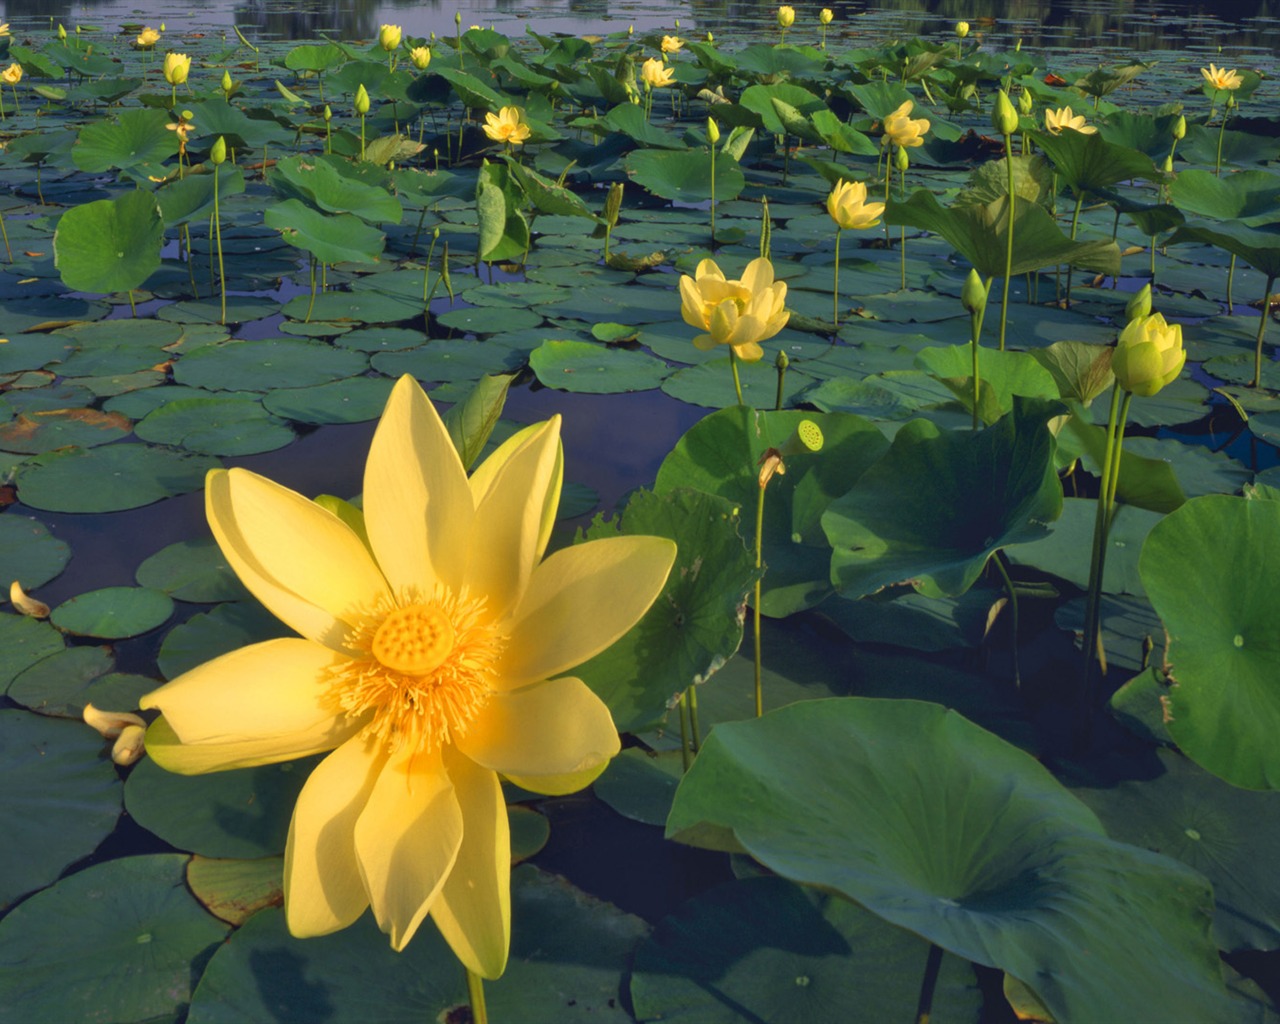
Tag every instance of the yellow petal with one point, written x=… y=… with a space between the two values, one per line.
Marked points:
x=263 y=703
x=473 y=910
x=758 y=275
x=323 y=890
x=508 y=525
x=579 y=601
x=417 y=505
x=548 y=730
x=487 y=472
x=407 y=839
x=301 y=561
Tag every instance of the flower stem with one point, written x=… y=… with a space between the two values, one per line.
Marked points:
x=1013 y=608
x=713 y=197
x=217 y=225
x=835 y=290
x=1008 y=252
x=1231 y=278
x=1075 y=224
x=755 y=620
x=1222 y=128
x=1101 y=525
x=475 y=992
x=1262 y=330
x=5 y=232
x=737 y=382
x=932 y=966
x=975 y=331
x=695 y=736
x=686 y=753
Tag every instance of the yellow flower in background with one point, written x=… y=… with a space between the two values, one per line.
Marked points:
x=389 y=37
x=786 y=17
x=672 y=44
x=12 y=75
x=1221 y=78
x=901 y=130
x=506 y=126
x=1056 y=120
x=147 y=38
x=962 y=29
x=4 y=29
x=849 y=208
x=825 y=16
x=655 y=74
x=420 y=57
x=739 y=313
x=435 y=642
x=177 y=66
x=1148 y=355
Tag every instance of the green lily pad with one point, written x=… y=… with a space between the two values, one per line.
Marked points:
x=452 y=360
x=765 y=949
x=235 y=890
x=216 y=425
x=29 y=553
x=241 y=309
x=971 y=844
x=191 y=570
x=354 y=400
x=108 y=479
x=113 y=613
x=25 y=641
x=62 y=683
x=364 y=307
x=1224 y=633
x=907 y=619
x=489 y=319
x=711 y=384
x=61 y=798
x=318 y=183
x=530 y=831
x=203 y=637
x=595 y=369
x=113 y=942
x=48 y=429
x=640 y=784
x=330 y=238
x=111 y=245
x=267 y=364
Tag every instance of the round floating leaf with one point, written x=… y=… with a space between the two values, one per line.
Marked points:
x=110 y=478
x=685 y=175
x=135 y=139
x=191 y=570
x=529 y=832
x=44 y=430
x=442 y=360
x=489 y=319
x=711 y=384
x=364 y=307
x=640 y=784
x=111 y=245
x=215 y=426
x=937 y=505
x=267 y=364
x=354 y=400
x=115 y=942
x=595 y=369
x=62 y=683
x=243 y=813
x=113 y=613
x=380 y=339
x=60 y=799
x=204 y=637
x=1199 y=567
x=235 y=890
x=764 y=949
x=319 y=184
x=970 y=843
x=241 y=309
x=25 y=641
x=28 y=553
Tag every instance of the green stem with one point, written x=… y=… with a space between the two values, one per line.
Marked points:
x=932 y=966
x=695 y=734
x=217 y=227
x=1008 y=252
x=755 y=619
x=1222 y=128
x=1075 y=224
x=1231 y=280
x=737 y=382
x=975 y=331
x=686 y=754
x=5 y=232
x=835 y=290
x=312 y=304
x=902 y=194
x=713 y=197
x=1013 y=608
x=264 y=163
x=1098 y=557
x=475 y=992
x=1262 y=330
x=132 y=305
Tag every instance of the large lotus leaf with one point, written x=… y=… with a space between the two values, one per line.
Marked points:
x=1001 y=375
x=503 y=229
x=216 y=117
x=1146 y=133
x=137 y=138
x=47 y=429
x=317 y=183
x=353 y=400
x=939 y=503
x=766 y=59
x=695 y=625
x=765 y=949
x=801 y=101
x=25 y=642
x=568 y=956
x=1144 y=482
x=720 y=455
x=109 y=478
x=29 y=553
x=330 y=238
x=1206 y=568
x=686 y=175
x=1250 y=197
x=980 y=233
x=1089 y=163
x=115 y=942
x=546 y=195
x=191 y=198
x=111 y=245
x=969 y=842
x=267 y=364
x=61 y=684
x=629 y=119
x=314 y=57
x=215 y=426
x=1259 y=247
x=591 y=368
x=60 y=799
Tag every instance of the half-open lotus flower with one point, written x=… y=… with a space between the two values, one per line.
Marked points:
x=901 y=130
x=1056 y=120
x=1221 y=78
x=739 y=313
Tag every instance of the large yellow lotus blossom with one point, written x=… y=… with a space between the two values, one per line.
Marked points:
x=435 y=642
x=389 y=37
x=1221 y=78
x=506 y=126
x=672 y=44
x=739 y=313
x=1148 y=355
x=849 y=208
x=901 y=130
x=147 y=39
x=12 y=75
x=1056 y=120
x=177 y=66
x=655 y=75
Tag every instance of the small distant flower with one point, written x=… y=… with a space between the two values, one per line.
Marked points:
x=849 y=208
x=962 y=29
x=826 y=15
x=12 y=74
x=389 y=37
x=183 y=129
x=362 y=100
x=655 y=74
x=147 y=39
x=177 y=66
x=901 y=130
x=786 y=17
x=1056 y=120
x=420 y=57
x=1221 y=78
x=4 y=30
x=739 y=313
x=506 y=126
x=672 y=44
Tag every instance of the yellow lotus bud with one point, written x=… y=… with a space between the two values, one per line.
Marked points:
x=1140 y=305
x=713 y=130
x=227 y=84
x=710 y=38
x=1168 y=164
x=962 y=29
x=362 y=100
x=177 y=66
x=457 y=18
x=26 y=604
x=1026 y=103
x=218 y=154
x=420 y=56
x=1180 y=128
x=1018 y=48
x=973 y=296
x=62 y=32
x=825 y=15
x=1148 y=355
x=786 y=16
x=389 y=37
x=328 y=114
x=1004 y=119
x=613 y=204
x=900 y=160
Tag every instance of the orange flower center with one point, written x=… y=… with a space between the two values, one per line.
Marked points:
x=423 y=669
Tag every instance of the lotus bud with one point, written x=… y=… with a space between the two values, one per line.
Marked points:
x=786 y=17
x=962 y=29
x=1003 y=117
x=25 y=603
x=1180 y=128
x=1148 y=355
x=362 y=101
x=710 y=38
x=825 y=16
x=227 y=85
x=130 y=745
x=901 y=161
x=389 y=37
x=1140 y=305
x=162 y=27
x=677 y=22
x=973 y=296
x=177 y=66
x=1018 y=48
x=613 y=204
x=328 y=114
x=457 y=18
x=1168 y=164
x=420 y=57
x=713 y=130
x=781 y=360
x=1026 y=103
x=218 y=154
x=631 y=30
x=62 y=32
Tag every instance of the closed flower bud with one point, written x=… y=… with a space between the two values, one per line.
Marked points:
x=389 y=37
x=1026 y=103
x=900 y=160
x=362 y=100
x=826 y=15
x=420 y=57
x=227 y=84
x=218 y=154
x=973 y=296
x=328 y=114
x=962 y=29
x=786 y=16
x=1148 y=355
x=1003 y=117
x=62 y=32
x=613 y=204
x=1180 y=128
x=713 y=130
x=176 y=68
x=1140 y=305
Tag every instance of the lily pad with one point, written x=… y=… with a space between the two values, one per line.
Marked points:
x=25 y=641
x=235 y=890
x=110 y=478
x=354 y=400
x=685 y=174
x=62 y=683
x=204 y=637
x=48 y=429
x=113 y=613
x=267 y=364
x=29 y=553
x=216 y=425
x=111 y=245
x=191 y=570
x=595 y=369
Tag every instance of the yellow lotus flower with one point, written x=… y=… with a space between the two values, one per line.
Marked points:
x=901 y=130
x=786 y=17
x=389 y=37
x=434 y=644
x=849 y=208
x=176 y=68
x=506 y=126
x=962 y=29
x=1056 y=120
x=12 y=75
x=420 y=57
x=4 y=30
x=672 y=44
x=147 y=38
x=1148 y=355
x=739 y=313
x=1221 y=78
x=655 y=74
x=826 y=15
